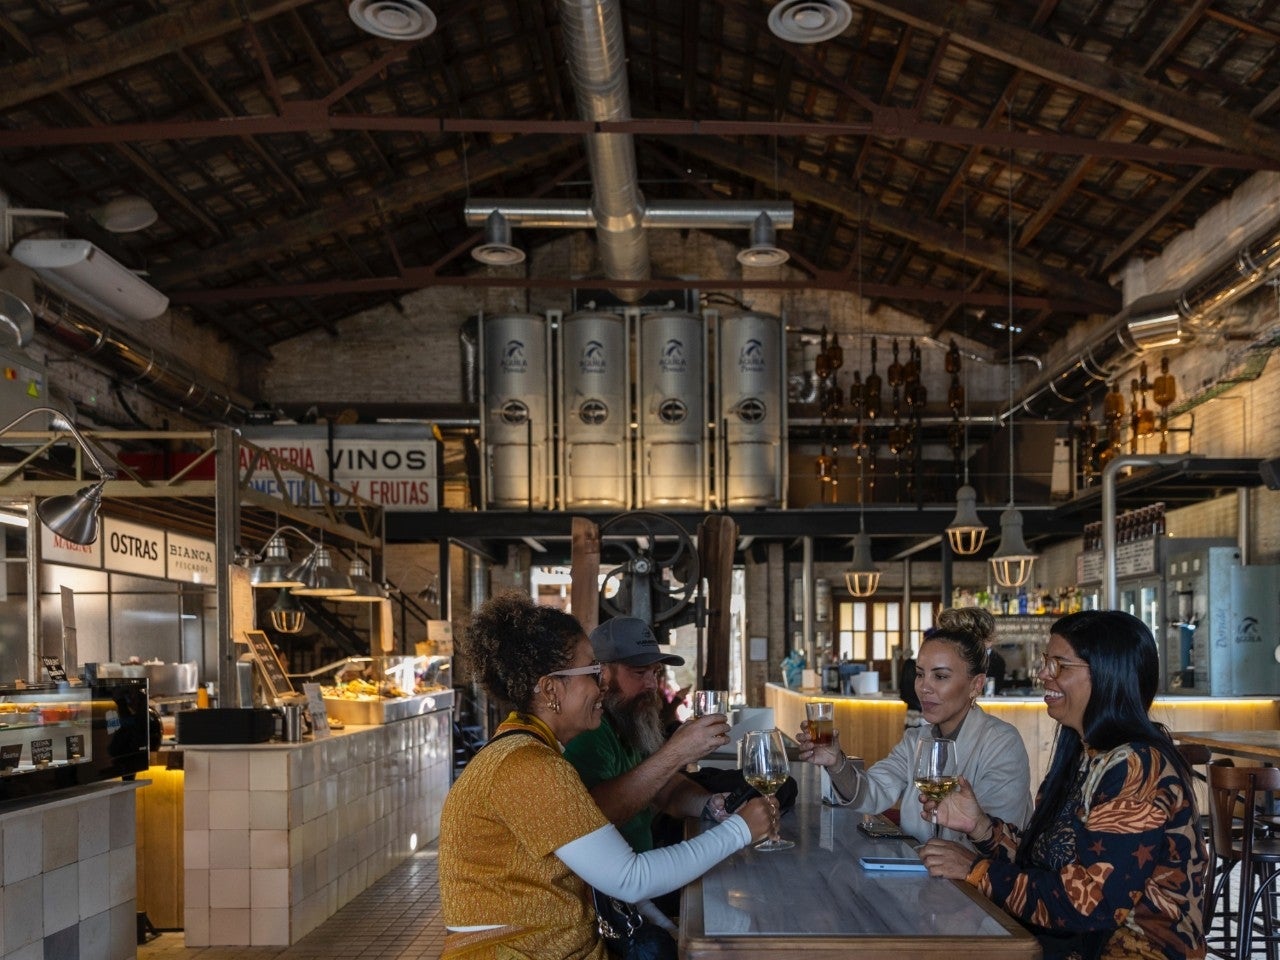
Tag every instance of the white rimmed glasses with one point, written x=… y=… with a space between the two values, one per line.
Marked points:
x=589 y=670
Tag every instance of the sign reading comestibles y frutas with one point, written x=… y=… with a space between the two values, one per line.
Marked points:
x=392 y=464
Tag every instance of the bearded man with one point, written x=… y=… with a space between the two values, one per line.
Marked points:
x=630 y=769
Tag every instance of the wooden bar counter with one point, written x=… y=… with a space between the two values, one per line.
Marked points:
x=870 y=725
x=816 y=902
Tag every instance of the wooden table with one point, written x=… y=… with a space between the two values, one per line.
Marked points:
x=1262 y=746
x=816 y=902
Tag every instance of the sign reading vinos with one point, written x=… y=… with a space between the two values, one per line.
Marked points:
x=395 y=465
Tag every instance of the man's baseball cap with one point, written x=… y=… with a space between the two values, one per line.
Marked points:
x=631 y=641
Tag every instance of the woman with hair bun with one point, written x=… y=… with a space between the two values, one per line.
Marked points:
x=950 y=673
x=521 y=840
x=1112 y=863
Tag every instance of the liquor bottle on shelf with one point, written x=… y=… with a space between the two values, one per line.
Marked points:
x=1146 y=417
x=1023 y=601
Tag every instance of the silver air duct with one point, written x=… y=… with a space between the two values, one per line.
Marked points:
x=598 y=66
x=617 y=211
x=1162 y=319
x=157 y=374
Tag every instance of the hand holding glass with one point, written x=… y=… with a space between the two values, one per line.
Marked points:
x=765 y=767
x=821 y=716
x=936 y=770
x=710 y=701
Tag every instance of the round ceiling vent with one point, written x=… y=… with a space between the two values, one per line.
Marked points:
x=393 y=19
x=809 y=21
x=498 y=254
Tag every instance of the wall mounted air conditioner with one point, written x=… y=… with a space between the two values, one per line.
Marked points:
x=88 y=275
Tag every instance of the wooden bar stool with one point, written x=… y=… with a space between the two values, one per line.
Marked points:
x=1235 y=795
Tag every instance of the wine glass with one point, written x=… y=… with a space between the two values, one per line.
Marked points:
x=764 y=766
x=936 y=770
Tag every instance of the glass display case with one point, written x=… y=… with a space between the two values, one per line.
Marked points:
x=371 y=690
x=54 y=736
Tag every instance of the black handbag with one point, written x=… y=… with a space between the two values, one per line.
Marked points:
x=627 y=935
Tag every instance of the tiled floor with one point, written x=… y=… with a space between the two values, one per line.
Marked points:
x=398 y=918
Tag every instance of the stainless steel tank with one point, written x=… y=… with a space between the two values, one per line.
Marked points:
x=672 y=411
x=595 y=415
x=515 y=421
x=751 y=455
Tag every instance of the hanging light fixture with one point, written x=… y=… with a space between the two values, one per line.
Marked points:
x=862 y=576
x=1012 y=562
x=966 y=533
x=497 y=249
x=366 y=591
x=764 y=250
x=287 y=615
x=320 y=578
x=271 y=567
x=72 y=516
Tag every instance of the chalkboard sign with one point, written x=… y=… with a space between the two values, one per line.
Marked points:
x=75 y=746
x=272 y=669
x=42 y=751
x=57 y=672
x=10 y=755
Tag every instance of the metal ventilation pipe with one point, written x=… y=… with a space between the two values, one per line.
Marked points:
x=469 y=344
x=157 y=374
x=1157 y=320
x=598 y=66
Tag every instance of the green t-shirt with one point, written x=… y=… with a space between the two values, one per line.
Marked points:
x=599 y=755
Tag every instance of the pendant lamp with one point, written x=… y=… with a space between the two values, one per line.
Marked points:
x=366 y=591
x=319 y=576
x=1012 y=562
x=862 y=576
x=287 y=615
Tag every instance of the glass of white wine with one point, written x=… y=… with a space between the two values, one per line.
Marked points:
x=765 y=767
x=936 y=769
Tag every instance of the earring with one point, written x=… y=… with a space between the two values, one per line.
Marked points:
x=554 y=704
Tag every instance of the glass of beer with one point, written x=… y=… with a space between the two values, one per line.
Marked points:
x=821 y=716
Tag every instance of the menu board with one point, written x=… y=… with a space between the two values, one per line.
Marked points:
x=272 y=669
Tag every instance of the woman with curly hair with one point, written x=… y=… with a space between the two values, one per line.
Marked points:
x=950 y=671
x=1112 y=863
x=521 y=840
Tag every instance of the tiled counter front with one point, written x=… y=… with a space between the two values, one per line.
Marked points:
x=68 y=889
x=277 y=837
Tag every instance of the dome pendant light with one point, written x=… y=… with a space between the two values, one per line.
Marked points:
x=1011 y=564
x=862 y=576
x=287 y=615
x=966 y=533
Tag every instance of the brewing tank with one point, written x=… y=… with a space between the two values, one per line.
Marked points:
x=751 y=411
x=672 y=411
x=516 y=419
x=594 y=411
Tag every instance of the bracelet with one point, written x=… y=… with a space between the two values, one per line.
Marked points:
x=991 y=830
x=844 y=762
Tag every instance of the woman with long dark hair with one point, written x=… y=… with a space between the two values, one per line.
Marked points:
x=1112 y=862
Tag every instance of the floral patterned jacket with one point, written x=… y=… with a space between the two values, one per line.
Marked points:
x=1122 y=868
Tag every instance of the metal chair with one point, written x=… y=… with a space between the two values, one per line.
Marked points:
x=1238 y=795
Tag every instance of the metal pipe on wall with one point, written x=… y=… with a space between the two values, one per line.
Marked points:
x=1110 y=590
x=1244 y=520
x=806 y=600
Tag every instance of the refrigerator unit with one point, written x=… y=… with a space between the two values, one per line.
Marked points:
x=1224 y=628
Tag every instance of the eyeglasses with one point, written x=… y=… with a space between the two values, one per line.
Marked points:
x=588 y=670
x=1051 y=666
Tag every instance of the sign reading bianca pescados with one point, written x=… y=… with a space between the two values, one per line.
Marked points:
x=395 y=465
x=190 y=559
